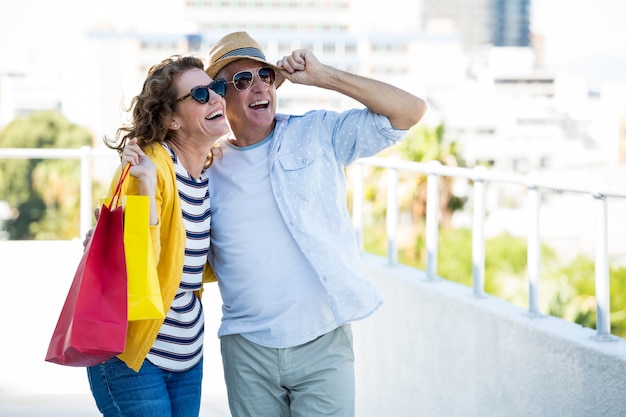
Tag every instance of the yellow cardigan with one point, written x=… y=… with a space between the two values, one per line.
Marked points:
x=168 y=241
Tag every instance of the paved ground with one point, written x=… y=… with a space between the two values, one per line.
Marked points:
x=81 y=406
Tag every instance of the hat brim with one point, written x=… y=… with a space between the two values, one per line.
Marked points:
x=214 y=69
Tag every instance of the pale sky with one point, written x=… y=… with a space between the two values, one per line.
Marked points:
x=582 y=35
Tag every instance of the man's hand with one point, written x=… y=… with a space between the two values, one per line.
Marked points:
x=302 y=67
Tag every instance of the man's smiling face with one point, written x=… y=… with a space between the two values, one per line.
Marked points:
x=249 y=112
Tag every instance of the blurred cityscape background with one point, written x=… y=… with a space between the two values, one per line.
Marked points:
x=519 y=84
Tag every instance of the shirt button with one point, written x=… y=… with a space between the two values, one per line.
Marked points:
x=304 y=162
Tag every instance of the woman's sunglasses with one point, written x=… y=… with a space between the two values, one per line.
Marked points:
x=201 y=93
x=244 y=79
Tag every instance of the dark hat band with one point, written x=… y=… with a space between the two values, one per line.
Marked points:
x=243 y=52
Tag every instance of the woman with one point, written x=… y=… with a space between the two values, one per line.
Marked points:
x=176 y=119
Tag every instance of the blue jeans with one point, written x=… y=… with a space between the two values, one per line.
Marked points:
x=121 y=392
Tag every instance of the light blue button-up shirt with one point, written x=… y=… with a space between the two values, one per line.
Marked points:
x=292 y=187
x=307 y=158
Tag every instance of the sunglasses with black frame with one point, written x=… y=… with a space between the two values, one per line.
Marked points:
x=201 y=93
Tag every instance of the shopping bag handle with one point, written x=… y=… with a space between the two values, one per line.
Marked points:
x=115 y=199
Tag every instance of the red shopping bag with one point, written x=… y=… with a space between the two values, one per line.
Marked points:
x=93 y=321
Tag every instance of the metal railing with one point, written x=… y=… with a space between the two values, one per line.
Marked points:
x=480 y=176
x=434 y=170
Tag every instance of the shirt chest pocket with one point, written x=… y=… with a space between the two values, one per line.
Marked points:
x=304 y=170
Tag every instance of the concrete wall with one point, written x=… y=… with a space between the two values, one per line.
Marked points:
x=434 y=349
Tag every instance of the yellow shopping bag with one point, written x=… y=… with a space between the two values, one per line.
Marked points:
x=144 y=291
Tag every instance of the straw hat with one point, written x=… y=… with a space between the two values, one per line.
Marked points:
x=235 y=46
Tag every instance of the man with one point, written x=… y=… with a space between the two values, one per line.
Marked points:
x=282 y=243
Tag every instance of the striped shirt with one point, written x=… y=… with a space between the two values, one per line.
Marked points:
x=178 y=346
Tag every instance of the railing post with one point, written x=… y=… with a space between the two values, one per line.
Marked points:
x=357 y=202
x=86 y=207
x=603 y=293
x=478 y=232
x=392 y=212
x=432 y=220
x=534 y=249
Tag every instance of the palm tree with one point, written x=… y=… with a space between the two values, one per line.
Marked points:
x=421 y=144
x=424 y=144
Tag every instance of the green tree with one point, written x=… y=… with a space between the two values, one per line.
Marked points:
x=618 y=301
x=569 y=290
x=44 y=192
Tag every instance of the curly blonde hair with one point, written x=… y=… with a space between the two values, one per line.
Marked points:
x=153 y=108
